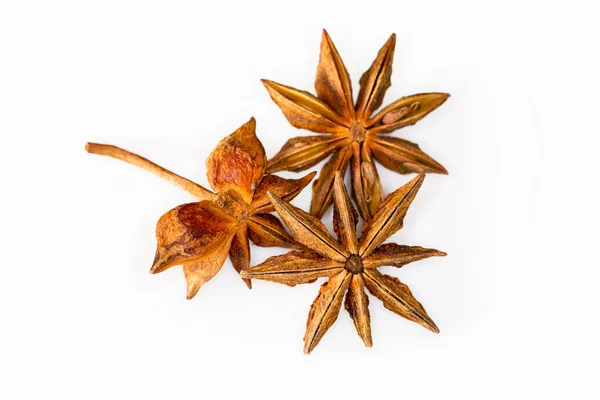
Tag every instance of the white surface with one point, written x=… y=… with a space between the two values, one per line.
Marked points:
x=516 y=299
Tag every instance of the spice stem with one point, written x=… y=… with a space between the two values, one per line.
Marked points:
x=120 y=154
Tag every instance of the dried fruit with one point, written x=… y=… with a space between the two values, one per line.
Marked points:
x=349 y=263
x=200 y=235
x=351 y=133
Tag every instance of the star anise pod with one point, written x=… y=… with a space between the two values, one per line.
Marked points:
x=199 y=235
x=353 y=134
x=349 y=263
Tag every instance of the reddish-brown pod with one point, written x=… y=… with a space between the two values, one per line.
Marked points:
x=200 y=235
x=349 y=262
x=352 y=133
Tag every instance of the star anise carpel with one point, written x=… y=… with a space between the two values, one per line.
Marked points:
x=351 y=134
x=201 y=234
x=349 y=262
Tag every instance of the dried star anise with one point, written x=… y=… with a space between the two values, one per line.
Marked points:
x=200 y=235
x=349 y=263
x=353 y=134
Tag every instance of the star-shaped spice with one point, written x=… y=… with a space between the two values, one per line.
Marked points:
x=200 y=235
x=349 y=263
x=352 y=134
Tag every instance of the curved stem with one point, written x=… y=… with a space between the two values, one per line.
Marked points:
x=120 y=154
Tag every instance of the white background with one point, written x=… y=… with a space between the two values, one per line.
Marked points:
x=516 y=299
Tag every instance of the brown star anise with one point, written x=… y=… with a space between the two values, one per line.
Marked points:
x=353 y=133
x=350 y=264
x=200 y=235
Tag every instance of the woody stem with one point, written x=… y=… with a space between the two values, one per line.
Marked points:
x=131 y=158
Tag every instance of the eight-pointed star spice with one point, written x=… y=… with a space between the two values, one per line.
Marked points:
x=199 y=235
x=351 y=134
x=348 y=262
